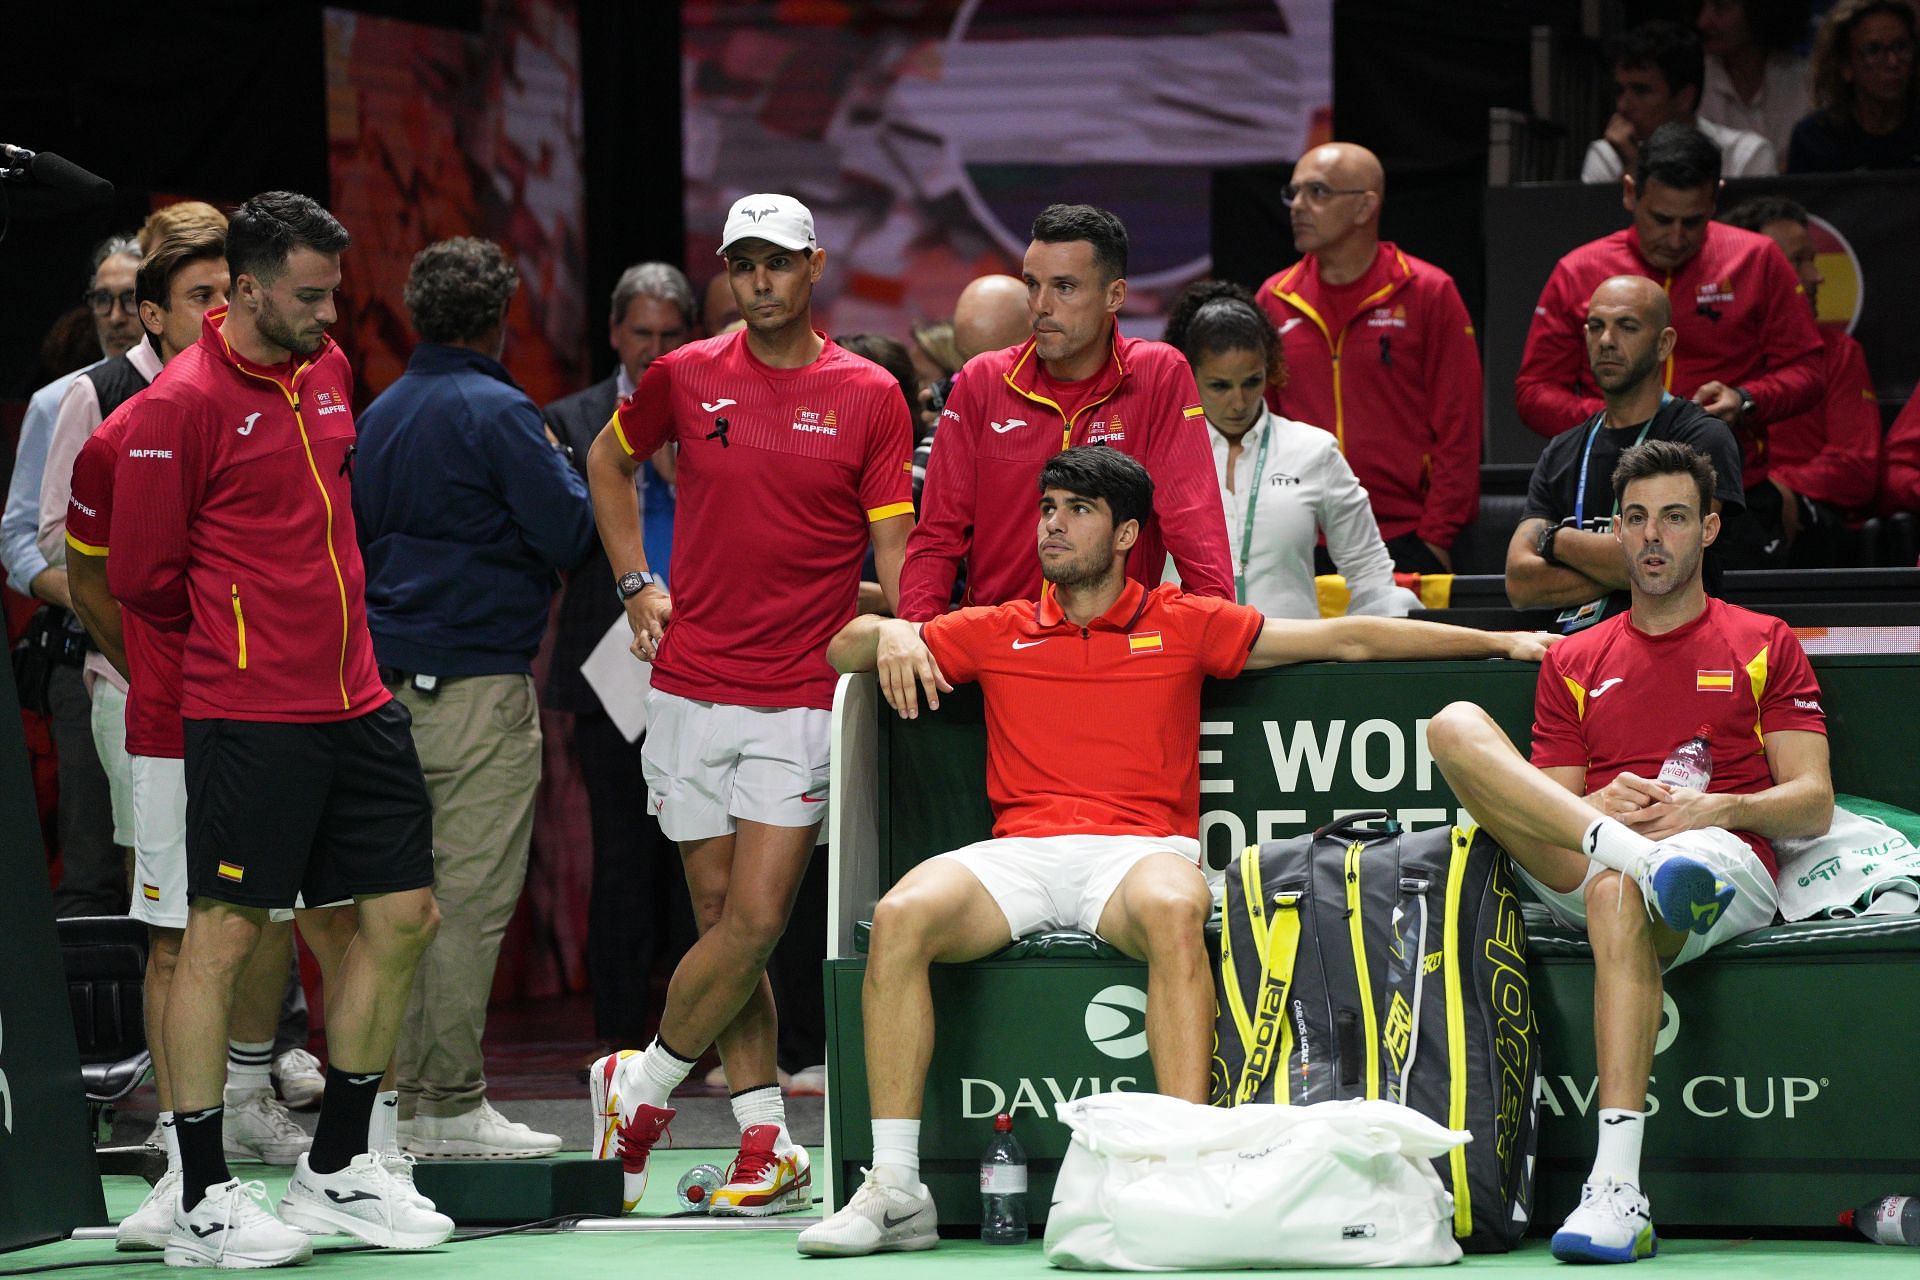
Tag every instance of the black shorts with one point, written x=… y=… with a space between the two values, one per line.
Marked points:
x=333 y=810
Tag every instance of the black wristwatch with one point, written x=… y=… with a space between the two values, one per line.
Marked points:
x=1746 y=403
x=1543 y=545
x=632 y=584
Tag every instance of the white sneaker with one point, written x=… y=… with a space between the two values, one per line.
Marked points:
x=232 y=1228
x=1612 y=1224
x=1683 y=893
x=879 y=1219
x=301 y=1081
x=400 y=1169
x=149 y=1226
x=482 y=1132
x=258 y=1126
x=624 y=1128
x=365 y=1201
x=156 y=1139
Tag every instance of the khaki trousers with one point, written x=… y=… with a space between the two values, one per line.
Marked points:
x=479 y=744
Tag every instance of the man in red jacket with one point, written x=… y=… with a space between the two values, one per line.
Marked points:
x=234 y=526
x=1825 y=462
x=1076 y=381
x=1747 y=350
x=1380 y=352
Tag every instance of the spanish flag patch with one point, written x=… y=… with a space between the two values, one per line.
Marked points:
x=1192 y=411
x=232 y=871
x=1144 y=642
x=151 y=892
x=1713 y=682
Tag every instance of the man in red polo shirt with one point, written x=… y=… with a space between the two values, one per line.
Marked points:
x=1380 y=352
x=1656 y=869
x=1746 y=348
x=1093 y=737
x=1077 y=381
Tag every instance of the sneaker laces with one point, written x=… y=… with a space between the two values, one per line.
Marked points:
x=296 y=1061
x=751 y=1166
x=1612 y=1197
x=244 y=1203
x=488 y=1115
x=278 y=1118
x=636 y=1139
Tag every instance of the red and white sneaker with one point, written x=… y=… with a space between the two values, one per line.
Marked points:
x=761 y=1180
x=624 y=1130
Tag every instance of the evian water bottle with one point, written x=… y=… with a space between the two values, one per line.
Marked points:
x=1691 y=764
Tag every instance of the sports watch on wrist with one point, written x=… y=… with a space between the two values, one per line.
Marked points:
x=633 y=583
x=1746 y=402
x=1543 y=545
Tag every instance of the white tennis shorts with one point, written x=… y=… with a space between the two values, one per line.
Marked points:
x=108 y=716
x=1755 y=901
x=1061 y=882
x=708 y=764
x=159 y=839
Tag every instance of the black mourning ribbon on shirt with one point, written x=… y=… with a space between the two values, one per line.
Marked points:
x=719 y=432
x=346 y=462
x=1386 y=351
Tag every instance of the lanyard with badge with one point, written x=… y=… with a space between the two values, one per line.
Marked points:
x=1253 y=505
x=1585 y=615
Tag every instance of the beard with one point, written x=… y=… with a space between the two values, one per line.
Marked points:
x=274 y=328
x=1082 y=571
x=1632 y=375
x=1681 y=569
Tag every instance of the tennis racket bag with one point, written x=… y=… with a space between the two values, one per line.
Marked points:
x=1363 y=962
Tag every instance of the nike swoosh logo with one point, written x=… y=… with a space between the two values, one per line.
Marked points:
x=1605 y=685
x=717 y=405
x=1009 y=424
x=1028 y=644
x=350 y=1197
x=1288 y=324
x=888 y=1221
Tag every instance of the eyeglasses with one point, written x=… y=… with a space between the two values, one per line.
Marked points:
x=101 y=301
x=1315 y=192
x=1888 y=50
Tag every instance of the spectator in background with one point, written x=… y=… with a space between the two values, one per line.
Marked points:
x=1076 y=381
x=719 y=312
x=1283 y=484
x=896 y=358
x=93 y=879
x=1825 y=462
x=1564 y=554
x=1866 y=91
x=639 y=914
x=936 y=358
x=1900 y=486
x=466 y=509
x=1746 y=348
x=1379 y=351
x=990 y=315
x=1658 y=69
x=1755 y=81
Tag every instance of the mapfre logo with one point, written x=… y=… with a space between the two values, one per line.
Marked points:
x=816 y=422
x=1107 y=431
x=1394 y=317
x=329 y=401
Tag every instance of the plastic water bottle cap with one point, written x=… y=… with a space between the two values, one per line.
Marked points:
x=1003 y=1123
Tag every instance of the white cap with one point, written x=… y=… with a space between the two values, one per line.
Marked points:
x=777 y=219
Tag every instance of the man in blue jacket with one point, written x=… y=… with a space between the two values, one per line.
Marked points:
x=467 y=510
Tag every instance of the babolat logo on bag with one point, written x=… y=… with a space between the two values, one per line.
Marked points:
x=1369 y=963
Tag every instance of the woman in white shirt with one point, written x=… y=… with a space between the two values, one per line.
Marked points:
x=1754 y=80
x=1283 y=483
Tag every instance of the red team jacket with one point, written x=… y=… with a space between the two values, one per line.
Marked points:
x=1900 y=489
x=1398 y=384
x=1740 y=315
x=980 y=504
x=1832 y=454
x=233 y=523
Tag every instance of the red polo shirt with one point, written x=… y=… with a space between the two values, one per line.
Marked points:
x=1095 y=730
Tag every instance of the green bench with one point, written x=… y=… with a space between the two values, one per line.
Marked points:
x=1783 y=1082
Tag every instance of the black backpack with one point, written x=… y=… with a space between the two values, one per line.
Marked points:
x=1372 y=963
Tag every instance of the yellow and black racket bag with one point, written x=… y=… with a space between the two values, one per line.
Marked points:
x=1369 y=962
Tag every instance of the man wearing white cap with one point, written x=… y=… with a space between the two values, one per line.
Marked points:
x=794 y=454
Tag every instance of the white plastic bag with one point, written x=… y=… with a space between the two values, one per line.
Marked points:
x=1152 y=1183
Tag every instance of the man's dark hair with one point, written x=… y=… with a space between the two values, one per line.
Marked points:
x=1758 y=211
x=1212 y=317
x=1677 y=156
x=270 y=226
x=1062 y=223
x=171 y=253
x=1096 y=471
x=890 y=354
x=1670 y=48
x=458 y=289
x=1664 y=458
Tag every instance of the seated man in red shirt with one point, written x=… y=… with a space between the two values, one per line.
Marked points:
x=1596 y=833
x=1093 y=736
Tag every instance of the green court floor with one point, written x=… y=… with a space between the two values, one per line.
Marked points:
x=763 y=1254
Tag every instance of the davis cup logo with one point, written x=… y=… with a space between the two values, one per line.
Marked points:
x=1117 y=1022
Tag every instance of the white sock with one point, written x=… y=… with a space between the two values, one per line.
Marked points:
x=896 y=1151
x=661 y=1072
x=170 y=1140
x=383 y=1130
x=1618 y=1155
x=249 y=1066
x=763 y=1106
x=1616 y=848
